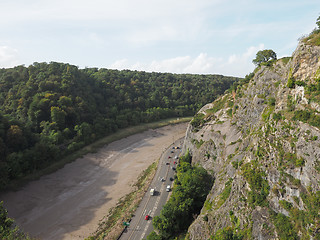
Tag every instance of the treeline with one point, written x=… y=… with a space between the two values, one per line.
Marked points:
x=192 y=186
x=50 y=110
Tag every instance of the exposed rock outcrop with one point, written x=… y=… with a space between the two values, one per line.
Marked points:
x=262 y=145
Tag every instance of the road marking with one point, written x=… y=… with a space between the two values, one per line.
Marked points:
x=156 y=204
x=144 y=210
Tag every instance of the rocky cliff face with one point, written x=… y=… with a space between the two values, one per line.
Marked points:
x=262 y=145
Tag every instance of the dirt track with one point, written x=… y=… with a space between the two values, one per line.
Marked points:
x=69 y=203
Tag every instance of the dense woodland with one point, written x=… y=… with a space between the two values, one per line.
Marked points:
x=48 y=110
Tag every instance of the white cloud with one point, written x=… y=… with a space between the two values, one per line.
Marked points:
x=207 y=36
x=235 y=65
x=120 y=64
x=241 y=64
x=139 y=21
x=8 y=57
x=102 y=9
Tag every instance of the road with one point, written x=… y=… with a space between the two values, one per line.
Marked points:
x=139 y=227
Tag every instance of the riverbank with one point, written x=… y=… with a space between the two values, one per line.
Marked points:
x=69 y=203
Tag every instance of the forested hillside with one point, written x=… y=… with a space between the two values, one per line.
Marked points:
x=50 y=110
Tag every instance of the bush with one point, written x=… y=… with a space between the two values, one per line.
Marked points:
x=285 y=204
x=301 y=115
x=276 y=116
x=283 y=226
x=154 y=236
x=198 y=120
x=228 y=233
x=272 y=101
x=225 y=193
x=299 y=162
x=258 y=184
x=291 y=82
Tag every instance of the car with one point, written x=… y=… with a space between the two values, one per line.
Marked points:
x=173 y=168
x=172 y=151
x=169 y=157
x=147 y=217
x=162 y=179
x=168 y=188
x=171 y=179
x=152 y=191
x=167 y=163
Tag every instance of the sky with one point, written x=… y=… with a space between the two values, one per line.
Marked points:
x=177 y=36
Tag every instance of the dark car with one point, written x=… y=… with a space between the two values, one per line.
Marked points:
x=171 y=179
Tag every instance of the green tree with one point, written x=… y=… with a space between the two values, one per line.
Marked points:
x=15 y=138
x=84 y=132
x=154 y=236
x=7 y=229
x=58 y=116
x=264 y=56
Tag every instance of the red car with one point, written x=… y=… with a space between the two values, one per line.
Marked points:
x=147 y=217
x=169 y=157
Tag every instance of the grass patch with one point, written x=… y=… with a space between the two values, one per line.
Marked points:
x=258 y=184
x=207 y=205
x=217 y=105
x=285 y=60
x=197 y=143
x=283 y=226
x=225 y=193
x=197 y=121
x=313 y=39
x=267 y=112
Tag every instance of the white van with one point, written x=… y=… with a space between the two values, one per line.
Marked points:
x=168 y=188
x=152 y=191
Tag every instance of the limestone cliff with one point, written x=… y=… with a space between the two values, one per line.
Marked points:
x=262 y=145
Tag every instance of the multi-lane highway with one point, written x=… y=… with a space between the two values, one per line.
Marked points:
x=140 y=225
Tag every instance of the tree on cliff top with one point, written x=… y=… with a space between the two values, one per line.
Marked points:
x=264 y=56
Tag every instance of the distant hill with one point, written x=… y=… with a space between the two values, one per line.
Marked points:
x=49 y=110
